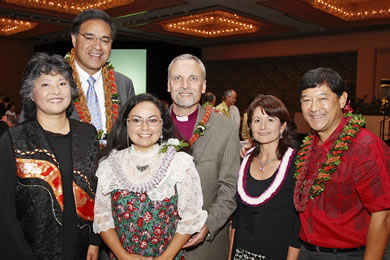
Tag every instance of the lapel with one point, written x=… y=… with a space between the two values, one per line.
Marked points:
x=77 y=157
x=201 y=143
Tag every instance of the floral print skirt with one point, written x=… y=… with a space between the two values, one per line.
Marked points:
x=144 y=227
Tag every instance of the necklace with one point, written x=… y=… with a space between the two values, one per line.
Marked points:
x=161 y=161
x=110 y=95
x=315 y=184
x=274 y=187
x=141 y=168
x=262 y=165
x=201 y=126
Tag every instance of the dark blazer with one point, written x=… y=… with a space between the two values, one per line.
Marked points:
x=217 y=160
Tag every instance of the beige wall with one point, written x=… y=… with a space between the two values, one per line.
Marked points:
x=373 y=54
x=14 y=54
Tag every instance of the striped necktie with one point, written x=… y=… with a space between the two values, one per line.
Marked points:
x=93 y=104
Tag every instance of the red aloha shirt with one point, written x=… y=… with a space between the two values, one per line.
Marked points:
x=339 y=217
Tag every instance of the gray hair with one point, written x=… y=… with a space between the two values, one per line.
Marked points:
x=42 y=63
x=187 y=56
x=228 y=93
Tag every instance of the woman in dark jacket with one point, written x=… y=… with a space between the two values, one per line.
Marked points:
x=47 y=166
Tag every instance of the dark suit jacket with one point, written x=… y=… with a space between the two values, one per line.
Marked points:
x=3 y=127
x=125 y=89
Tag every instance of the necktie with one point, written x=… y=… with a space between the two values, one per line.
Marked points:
x=93 y=104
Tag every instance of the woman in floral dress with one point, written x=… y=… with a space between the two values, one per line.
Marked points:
x=149 y=199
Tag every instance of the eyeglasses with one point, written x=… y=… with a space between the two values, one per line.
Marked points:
x=92 y=39
x=152 y=122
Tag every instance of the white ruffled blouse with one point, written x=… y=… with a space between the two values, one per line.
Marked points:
x=119 y=171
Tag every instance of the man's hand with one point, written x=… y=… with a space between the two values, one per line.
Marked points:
x=197 y=238
x=244 y=148
x=93 y=252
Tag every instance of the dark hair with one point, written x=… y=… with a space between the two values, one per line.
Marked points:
x=119 y=139
x=92 y=14
x=42 y=63
x=319 y=76
x=2 y=112
x=208 y=97
x=10 y=105
x=273 y=107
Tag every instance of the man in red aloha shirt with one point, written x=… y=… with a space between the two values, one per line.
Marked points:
x=343 y=177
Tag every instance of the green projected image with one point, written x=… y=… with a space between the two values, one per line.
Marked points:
x=131 y=63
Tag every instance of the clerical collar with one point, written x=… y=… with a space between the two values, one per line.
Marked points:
x=190 y=117
x=181 y=118
x=186 y=126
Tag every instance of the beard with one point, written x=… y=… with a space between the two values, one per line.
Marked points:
x=185 y=102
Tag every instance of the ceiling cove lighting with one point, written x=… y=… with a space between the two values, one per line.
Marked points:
x=353 y=10
x=212 y=24
x=11 y=26
x=70 y=6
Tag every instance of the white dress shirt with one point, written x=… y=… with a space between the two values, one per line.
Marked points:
x=99 y=88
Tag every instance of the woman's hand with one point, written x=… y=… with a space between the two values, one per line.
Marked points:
x=112 y=241
x=160 y=258
x=136 y=257
x=93 y=252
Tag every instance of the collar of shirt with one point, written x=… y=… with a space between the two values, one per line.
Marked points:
x=83 y=76
x=185 y=127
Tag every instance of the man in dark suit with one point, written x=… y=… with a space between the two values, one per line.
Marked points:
x=92 y=34
x=215 y=145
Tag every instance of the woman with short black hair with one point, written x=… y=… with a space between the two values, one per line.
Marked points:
x=47 y=166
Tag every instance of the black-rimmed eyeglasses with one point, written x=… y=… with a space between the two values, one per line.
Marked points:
x=92 y=39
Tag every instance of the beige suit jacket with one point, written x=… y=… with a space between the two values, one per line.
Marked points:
x=216 y=156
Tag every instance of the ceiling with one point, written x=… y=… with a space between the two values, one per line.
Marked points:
x=142 y=19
